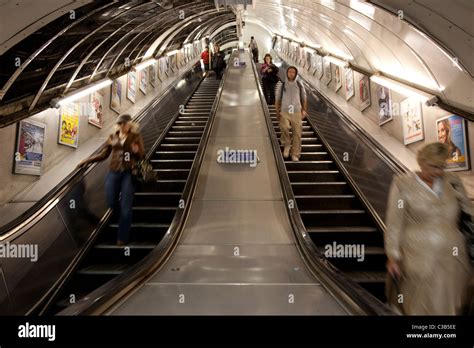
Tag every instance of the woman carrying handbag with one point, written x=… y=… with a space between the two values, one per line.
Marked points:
x=126 y=147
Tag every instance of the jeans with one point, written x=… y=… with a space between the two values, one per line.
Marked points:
x=119 y=187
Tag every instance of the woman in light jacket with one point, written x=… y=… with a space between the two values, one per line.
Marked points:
x=126 y=147
x=427 y=254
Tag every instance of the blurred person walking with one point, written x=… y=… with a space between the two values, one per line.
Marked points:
x=126 y=147
x=427 y=253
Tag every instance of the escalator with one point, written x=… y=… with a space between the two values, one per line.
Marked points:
x=333 y=215
x=155 y=204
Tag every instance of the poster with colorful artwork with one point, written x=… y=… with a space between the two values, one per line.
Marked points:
x=143 y=80
x=384 y=101
x=452 y=131
x=131 y=86
x=116 y=96
x=412 y=121
x=349 y=77
x=364 y=92
x=96 y=113
x=29 y=148
x=152 y=74
x=69 y=125
x=337 y=78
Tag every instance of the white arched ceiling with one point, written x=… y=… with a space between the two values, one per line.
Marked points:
x=371 y=38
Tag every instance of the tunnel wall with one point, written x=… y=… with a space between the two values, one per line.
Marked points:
x=392 y=129
x=14 y=187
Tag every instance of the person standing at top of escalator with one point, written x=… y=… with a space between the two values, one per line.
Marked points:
x=205 y=58
x=270 y=78
x=254 y=49
x=428 y=260
x=291 y=105
x=126 y=147
x=218 y=62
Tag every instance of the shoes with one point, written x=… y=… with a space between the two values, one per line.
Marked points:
x=120 y=243
x=295 y=158
x=286 y=152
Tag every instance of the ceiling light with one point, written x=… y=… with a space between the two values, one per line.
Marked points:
x=85 y=91
x=144 y=64
x=401 y=88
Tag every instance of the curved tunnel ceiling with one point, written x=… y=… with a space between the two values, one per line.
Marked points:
x=431 y=47
x=104 y=39
x=377 y=40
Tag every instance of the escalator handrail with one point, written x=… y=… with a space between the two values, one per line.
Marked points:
x=105 y=297
x=350 y=295
x=394 y=164
x=46 y=300
x=52 y=198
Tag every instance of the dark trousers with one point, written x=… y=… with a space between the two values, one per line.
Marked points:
x=269 y=91
x=218 y=74
x=255 y=54
x=120 y=188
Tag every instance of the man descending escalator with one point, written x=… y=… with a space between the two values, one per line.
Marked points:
x=291 y=105
x=218 y=62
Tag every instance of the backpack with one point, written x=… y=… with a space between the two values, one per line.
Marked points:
x=300 y=87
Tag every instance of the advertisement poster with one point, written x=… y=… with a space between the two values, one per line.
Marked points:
x=337 y=78
x=412 y=122
x=131 y=86
x=364 y=92
x=327 y=71
x=69 y=125
x=29 y=148
x=308 y=61
x=143 y=80
x=96 y=113
x=452 y=131
x=319 y=66
x=152 y=74
x=349 y=75
x=384 y=101
x=116 y=96
x=163 y=66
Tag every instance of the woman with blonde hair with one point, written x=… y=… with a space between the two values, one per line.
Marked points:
x=126 y=147
x=427 y=253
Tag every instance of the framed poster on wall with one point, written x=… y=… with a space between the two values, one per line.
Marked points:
x=116 y=96
x=308 y=61
x=327 y=71
x=152 y=74
x=412 y=122
x=349 y=77
x=384 y=101
x=337 y=78
x=69 y=125
x=131 y=86
x=451 y=130
x=364 y=92
x=143 y=80
x=319 y=66
x=96 y=113
x=29 y=148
